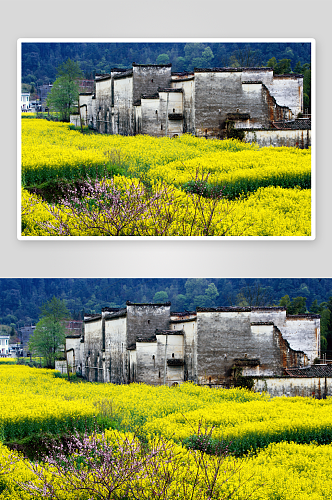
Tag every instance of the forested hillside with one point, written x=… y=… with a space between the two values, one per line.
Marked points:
x=20 y=299
x=40 y=60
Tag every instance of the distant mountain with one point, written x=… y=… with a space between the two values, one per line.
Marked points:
x=41 y=60
x=21 y=298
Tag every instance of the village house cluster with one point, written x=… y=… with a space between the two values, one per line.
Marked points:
x=253 y=104
x=148 y=343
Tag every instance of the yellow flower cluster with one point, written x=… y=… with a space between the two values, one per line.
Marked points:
x=270 y=211
x=278 y=470
x=242 y=171
x=50 y=150
x=266 y=191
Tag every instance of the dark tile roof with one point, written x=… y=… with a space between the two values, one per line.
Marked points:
x=152 y=65
x=146 y=339
x=310 y=371
x=129 y=72
x=238 y=309
x=169 y=89
x=298 y=124
x=229 y=69
x=148 y=304
x=117 y=314
x=150 y=96
x=92 y=318
x=169 y=332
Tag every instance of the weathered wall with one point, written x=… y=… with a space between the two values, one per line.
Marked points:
x=123 y=117
x=171 y=357
x=221 y=92
x=86 y=108
x=150 y=120
x=93 y=345
x=148 y=78
x=188 y=325
x=228 y=338
x=225 y=337
x=145 y=343
x=290 y=138
x=288 y=91
x=171 y=112
x=61 y=366
x=116 y=369
x=302 y=332
x=103 y=104
x=188 y=86
x=73 y=348
x=264 y=75
x=295 y=386
x=147 y=362
x=144 y=319
x=209 y=96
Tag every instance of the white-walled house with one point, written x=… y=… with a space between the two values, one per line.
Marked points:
x=25 y=101
x=4 y=345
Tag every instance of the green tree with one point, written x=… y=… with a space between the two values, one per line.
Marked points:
x=254 y=296
x=283 y=66
x=162 y=59
x=285 y=301
x=65 y=91
x=48 y=338
x=297 y=306
x=212 y=293
x=272 y=63
x=160 y=297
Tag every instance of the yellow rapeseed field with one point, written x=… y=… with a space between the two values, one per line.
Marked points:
x=33 y=399
x=266 y=191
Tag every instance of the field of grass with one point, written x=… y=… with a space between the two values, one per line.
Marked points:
x=214 y=188
x=277 y=448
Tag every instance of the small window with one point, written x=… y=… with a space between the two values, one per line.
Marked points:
x=148 y=321
x=161 y=126
x=172 y=354
x=152 y=80
x=153 y=357
x=173 y=110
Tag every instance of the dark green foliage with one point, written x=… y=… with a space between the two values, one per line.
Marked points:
x=21 y=298
x=245 y=186
x=65 y=91
x=39 y=60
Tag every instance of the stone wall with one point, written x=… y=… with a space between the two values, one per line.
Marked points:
x=288 y=91
x=213 y=346
x=116 y=356
x=144 y=319
x=188 y=86
x=103 y=104
x=92 y=348
x=188 y=325
x=223 y=92
x=277 y=138
x=295 y=386
x=233 y=343
x=73 y=348
x=149 y=77
x=140 y=100
x=123 y=117
x=302 y=332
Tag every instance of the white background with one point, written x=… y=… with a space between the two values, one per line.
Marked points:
x=165 y=19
